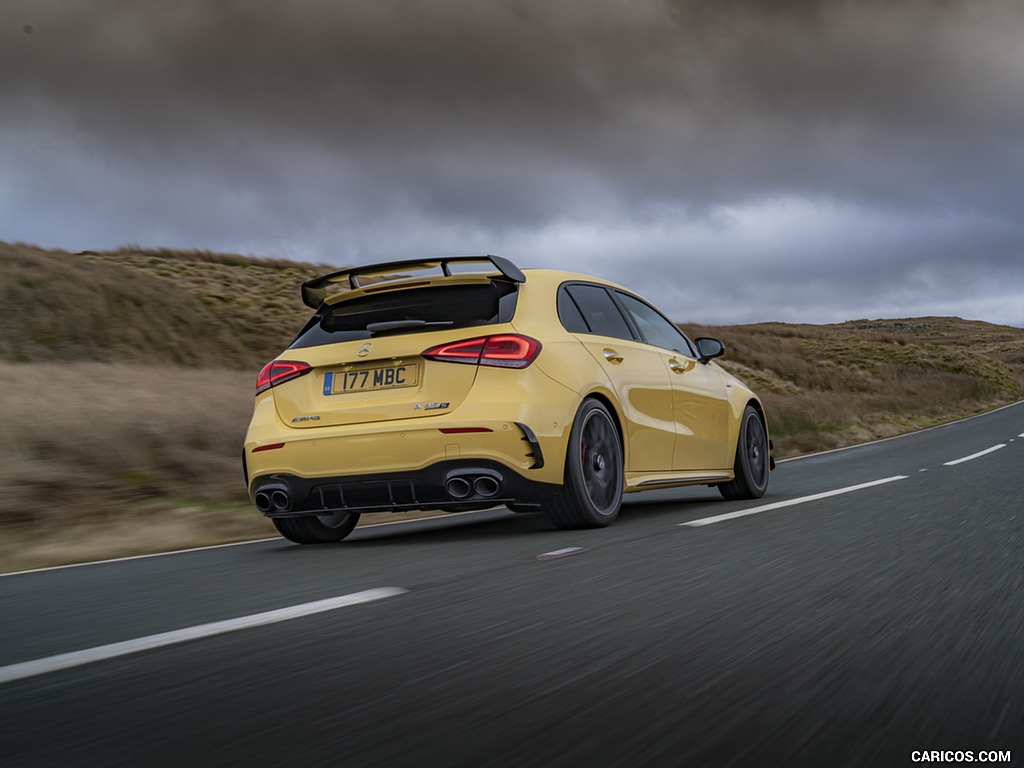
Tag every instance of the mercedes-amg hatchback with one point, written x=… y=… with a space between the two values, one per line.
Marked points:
x=464 y=383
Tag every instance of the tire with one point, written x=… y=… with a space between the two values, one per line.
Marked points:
x=752 y=460
x=322 y=529
x=591 y=494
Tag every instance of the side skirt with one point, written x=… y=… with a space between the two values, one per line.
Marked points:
x=646 y=481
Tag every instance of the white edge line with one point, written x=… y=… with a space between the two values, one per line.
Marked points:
x=791 y=502
x=973 y=456
x=222 y=546
x=35 y=667
x=897 y=437
x=139 y=557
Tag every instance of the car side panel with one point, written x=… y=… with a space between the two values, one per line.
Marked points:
x=702 y=413
x=640 y=379
x=739 y=397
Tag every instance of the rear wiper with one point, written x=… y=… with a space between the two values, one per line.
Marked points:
x=403 y=325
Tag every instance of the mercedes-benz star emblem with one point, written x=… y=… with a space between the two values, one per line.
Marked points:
x=364 y=349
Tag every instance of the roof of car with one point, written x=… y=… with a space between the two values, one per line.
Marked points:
x=558 y=276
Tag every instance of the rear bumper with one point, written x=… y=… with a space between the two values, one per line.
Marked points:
x=511 y=434
x=448 y=485
x=518 y=432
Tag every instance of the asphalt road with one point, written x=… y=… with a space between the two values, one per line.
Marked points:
x=849 y=628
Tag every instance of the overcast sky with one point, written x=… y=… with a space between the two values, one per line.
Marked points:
x=733 y=160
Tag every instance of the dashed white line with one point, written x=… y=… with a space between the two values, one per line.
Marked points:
x=974 y=455
x=789 y=503
x=100 y=653
x=560 y=553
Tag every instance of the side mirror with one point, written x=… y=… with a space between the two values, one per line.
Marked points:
x=709 y=349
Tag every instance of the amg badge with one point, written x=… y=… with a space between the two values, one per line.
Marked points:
x=305 y=418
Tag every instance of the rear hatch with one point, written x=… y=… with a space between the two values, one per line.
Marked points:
x=365 y=348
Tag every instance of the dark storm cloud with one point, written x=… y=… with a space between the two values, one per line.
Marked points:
x=680 y=131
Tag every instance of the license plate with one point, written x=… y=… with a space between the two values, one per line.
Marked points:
x=369 y=379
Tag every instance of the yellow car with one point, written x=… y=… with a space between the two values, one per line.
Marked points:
x=465 y=383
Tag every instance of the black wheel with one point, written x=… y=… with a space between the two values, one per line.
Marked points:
x=317 y=529
x=591 y=494
x=752 y=460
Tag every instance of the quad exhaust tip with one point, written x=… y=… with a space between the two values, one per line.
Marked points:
x=272 y=499
x=468 y=484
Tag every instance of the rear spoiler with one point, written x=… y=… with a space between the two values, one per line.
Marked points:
x=319 y=288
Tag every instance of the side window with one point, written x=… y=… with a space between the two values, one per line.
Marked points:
x=599 y=311
x=569 y=313
x=654 y=327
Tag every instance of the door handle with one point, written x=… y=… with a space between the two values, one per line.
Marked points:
x=676 y=366
x=612 y=356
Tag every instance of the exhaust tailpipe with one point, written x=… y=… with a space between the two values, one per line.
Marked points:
x=458 y=487
x=280 y=500
x=486 y=486
x=263 y=502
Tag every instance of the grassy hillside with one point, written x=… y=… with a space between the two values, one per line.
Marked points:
x=830 y=385
x=128 y=381
x=189 y=308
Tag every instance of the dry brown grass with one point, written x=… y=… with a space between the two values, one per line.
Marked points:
x=103 y=460
x=127 y=380
x=833 y=385
x=98 y=436
x=156 y=307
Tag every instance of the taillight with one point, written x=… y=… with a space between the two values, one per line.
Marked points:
x=278 y=372
x=504 y=351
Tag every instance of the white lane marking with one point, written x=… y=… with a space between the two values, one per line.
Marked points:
x=789 y=503
x=559 y=553
x=139 y=557
x=224 y=546
x=900 y=437
x=100 y=653
x=974 y=455
x=1021 y=434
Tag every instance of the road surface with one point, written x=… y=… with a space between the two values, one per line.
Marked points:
x=868 y=608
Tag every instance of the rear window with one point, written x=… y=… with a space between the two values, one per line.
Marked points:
x=413 y=310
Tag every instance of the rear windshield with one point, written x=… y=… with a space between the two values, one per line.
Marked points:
x=414 y=310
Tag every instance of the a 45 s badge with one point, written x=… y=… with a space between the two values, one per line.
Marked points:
x=429 y=406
